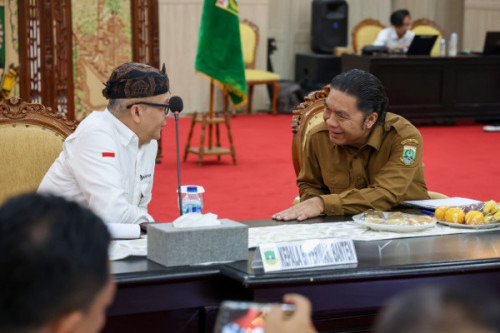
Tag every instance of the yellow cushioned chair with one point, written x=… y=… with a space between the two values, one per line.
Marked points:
x=365 y=33
x=305 y=117
x=425 y=26
x=249 y=41
x=31 y=138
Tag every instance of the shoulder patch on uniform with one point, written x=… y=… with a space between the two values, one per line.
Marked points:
x=409 y=153
x=414 y=141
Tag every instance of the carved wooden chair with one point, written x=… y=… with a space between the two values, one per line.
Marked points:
x=31 y=138
x=365 y=33
x=423 y=26
x=305 y=117
x=249 y=34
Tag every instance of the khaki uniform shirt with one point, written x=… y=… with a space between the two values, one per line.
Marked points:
x=388 y=169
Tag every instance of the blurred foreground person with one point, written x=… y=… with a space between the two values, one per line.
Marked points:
x=55 y=275
x=278 y=321
x=441 y=310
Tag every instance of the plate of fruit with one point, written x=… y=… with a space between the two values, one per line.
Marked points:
x=394 y=221
x=484 y=215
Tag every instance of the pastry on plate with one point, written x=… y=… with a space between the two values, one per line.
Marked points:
x=374 y=216
x=397 y=218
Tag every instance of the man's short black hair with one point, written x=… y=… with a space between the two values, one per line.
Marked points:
x=398 y=17
x=53 y=260
x=366 y=88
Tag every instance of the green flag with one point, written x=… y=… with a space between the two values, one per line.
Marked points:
x=219 y=54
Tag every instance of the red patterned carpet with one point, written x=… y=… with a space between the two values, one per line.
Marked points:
x=459 y=160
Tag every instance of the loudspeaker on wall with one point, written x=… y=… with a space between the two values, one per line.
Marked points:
x=328 y=25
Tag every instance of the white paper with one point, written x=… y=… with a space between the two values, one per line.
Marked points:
x=435 y=203
x=124 y=231
x=192 y=220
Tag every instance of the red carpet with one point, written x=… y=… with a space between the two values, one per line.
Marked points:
x=459 y=161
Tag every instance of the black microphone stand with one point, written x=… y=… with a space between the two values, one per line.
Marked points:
x=176 y=116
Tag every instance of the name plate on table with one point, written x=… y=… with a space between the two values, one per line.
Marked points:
x=284 y=256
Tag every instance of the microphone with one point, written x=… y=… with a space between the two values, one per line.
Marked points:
x=176 y=105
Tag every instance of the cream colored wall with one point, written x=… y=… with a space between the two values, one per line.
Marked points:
x=480 y=16
x=448 y=14
x=289 y=22
x=179 y=23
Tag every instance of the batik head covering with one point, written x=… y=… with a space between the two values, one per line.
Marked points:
x=136 y=80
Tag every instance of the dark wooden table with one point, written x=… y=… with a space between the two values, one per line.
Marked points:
x=423 y=88
x=152 y=298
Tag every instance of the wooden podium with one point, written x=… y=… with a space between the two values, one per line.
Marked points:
x=210 y=120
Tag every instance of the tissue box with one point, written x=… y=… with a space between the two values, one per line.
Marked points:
x=171 y=246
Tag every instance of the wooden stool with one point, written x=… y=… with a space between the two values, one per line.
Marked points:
x=210 y=120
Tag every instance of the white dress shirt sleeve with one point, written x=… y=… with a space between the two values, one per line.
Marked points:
x=101 y=179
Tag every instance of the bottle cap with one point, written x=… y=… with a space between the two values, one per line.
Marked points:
x=192 y=189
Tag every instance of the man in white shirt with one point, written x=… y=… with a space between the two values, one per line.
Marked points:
x=108 y=163
x=398 y=37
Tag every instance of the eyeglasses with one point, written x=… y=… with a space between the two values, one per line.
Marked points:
x=166 y=107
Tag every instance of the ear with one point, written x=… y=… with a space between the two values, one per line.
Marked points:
x=67 y=322
x=371 y=120
x=136 y=114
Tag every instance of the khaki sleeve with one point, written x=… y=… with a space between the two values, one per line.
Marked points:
x=309 y=180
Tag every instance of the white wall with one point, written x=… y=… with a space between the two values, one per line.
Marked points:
x=289 y=22
x=179 y=22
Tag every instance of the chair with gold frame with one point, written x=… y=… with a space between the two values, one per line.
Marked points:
x=365 y=33
x=31 y=138
x=305 y=117
x=249 y=33
x=423 y=26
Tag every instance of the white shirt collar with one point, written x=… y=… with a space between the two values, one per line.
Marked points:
x=127 y=136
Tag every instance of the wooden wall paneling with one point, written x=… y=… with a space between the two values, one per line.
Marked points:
x=45 y=54
x=145 y=32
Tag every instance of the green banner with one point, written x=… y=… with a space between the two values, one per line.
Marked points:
x=219 y=54
x=2 y=37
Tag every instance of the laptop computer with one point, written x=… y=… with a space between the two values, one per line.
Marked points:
x=492 y=43
x=421 y=45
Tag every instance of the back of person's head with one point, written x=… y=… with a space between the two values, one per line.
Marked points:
x=366 y=88
x=398 y=17
x=53 y=260
x=441 y=310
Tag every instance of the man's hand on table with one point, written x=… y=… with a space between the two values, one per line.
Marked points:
x=302 y=211
x=300 y=321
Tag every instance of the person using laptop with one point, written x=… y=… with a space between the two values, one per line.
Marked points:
x=397 y=38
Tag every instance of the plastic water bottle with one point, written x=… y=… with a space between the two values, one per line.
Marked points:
x=442 y=47
x=452 y=45
x=192 y=203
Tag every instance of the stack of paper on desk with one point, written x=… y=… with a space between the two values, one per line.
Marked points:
x=435 y=203
x=124 y=231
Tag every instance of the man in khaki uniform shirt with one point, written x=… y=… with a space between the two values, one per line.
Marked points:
x=360 y=157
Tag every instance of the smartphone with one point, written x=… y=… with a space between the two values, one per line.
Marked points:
x=247 y=317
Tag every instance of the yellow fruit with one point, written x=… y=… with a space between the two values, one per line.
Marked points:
x=497 y=216
x=440 y=212
x=490 y=207
x=489 y=219
x=455 y=215
x=474 y=217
